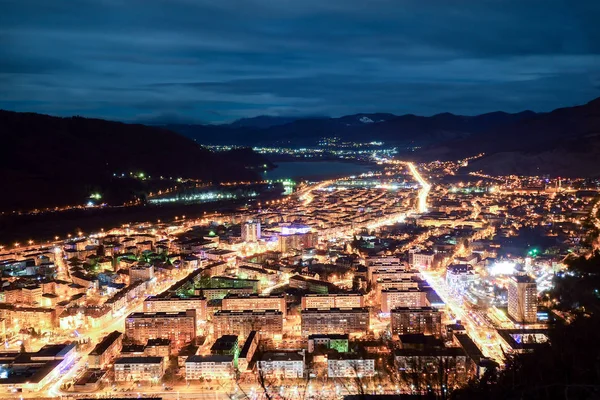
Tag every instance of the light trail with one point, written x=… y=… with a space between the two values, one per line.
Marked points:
x=489 y=344
x=425 y=187
x=307 y=197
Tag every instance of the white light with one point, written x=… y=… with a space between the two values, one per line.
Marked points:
x=503 y=268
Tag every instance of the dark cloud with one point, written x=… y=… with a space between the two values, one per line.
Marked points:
x=202 y=60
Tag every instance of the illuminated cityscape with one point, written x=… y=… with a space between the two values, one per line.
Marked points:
x=299 y=200
x=368 y=278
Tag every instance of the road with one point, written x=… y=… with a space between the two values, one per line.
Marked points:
x=95 y=335
x=425 y=188
x=478 y=329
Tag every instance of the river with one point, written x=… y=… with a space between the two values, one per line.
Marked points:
x=315 y=170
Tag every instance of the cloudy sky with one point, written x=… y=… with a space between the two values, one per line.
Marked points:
x=219 y=60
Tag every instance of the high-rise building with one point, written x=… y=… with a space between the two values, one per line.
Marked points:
x=297 y=241
x=236 y=302
x=522 y=299
x=228 y=322
x=407 y=320
x=335 y=320
x=180 y=327
x=177 y=304
x=392 y=298
x=422 y=260
x=383 y=265
x=325 y=301
x=251 y=231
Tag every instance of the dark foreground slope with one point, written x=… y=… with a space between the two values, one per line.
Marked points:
x=48 y=161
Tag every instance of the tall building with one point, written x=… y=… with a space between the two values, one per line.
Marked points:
x=251 y=231
x=401 y=284
x=392 y=298
x=335 y=320
x=382 y=261
x=522 y=299
x=383 y=265
x=379 y=274
x=180 y=327
x=297 y=241
x=407 y=320
x=236 y=302
x=325 y=301
x=228 y=322
x=423 y=259
x=177 y=304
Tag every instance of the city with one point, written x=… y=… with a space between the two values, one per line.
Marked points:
x=299 y=200
x=357 y=285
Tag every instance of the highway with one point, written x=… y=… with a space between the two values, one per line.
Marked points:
x=478 y=329
x=425 y=188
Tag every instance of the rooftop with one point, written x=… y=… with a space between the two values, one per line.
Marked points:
x=138 y=360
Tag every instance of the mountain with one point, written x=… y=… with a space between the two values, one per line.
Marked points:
x=261 y=122
x=49 y=161
x=393 y=130
x=564 y=142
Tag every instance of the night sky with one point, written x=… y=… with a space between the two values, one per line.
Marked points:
x=219 y=60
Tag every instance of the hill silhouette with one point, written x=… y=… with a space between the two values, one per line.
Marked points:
x=49 y=161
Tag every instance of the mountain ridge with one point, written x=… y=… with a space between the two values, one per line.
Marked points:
x=52 y=161
x=390 y=128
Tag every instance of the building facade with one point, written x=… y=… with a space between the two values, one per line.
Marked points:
x=281 y=365
x=106 y=350
x=179 y=327
x=335 y=320
x=236 y=302
x=406 y=320
x=392 y=298
x=177 y=304
x=209 y=367
x=326 y=301
x=268 y=322
x=522 y=299
x=143 y=369
x=350 y=366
